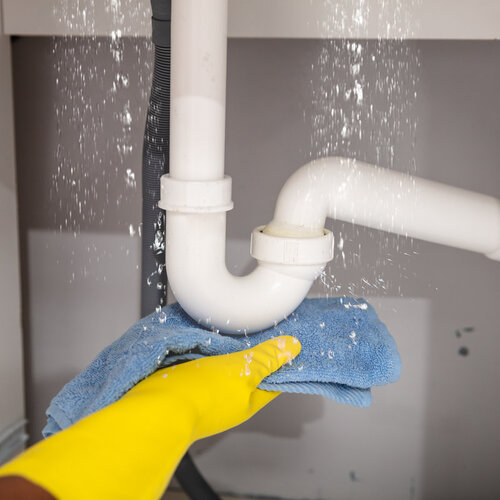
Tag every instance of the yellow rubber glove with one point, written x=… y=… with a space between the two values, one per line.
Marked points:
x=130 y=449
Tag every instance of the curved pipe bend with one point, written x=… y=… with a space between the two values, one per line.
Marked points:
x=332 y=187
x=196 y=268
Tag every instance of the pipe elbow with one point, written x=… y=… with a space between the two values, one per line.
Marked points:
x=305 y=199
x=239 y=305
x=386 y=200
x=294 y=248
x=200 y=281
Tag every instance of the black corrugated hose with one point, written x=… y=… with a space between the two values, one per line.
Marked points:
x=154 y=165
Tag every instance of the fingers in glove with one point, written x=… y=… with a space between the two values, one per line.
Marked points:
x=266 y=358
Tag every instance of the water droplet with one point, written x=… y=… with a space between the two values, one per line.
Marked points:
x=130 y=178
x=352 y=336
x=162 y=317
x=126 y=116
x=159 y=239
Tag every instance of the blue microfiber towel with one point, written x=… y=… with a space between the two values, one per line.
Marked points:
x=346 y=350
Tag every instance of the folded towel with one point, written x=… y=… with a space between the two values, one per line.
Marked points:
x=346 y=350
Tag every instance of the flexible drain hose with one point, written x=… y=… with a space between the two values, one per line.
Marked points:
x=155 y=163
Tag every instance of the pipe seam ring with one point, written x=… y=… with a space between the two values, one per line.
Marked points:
x=292 y=251
x=195 y=197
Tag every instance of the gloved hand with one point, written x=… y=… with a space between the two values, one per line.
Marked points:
x=131 y=448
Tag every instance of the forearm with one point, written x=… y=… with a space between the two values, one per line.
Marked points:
x=130 y=449
x=93 y=458
x=19 y=488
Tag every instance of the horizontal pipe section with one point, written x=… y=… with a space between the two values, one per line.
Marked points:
x=391 y=201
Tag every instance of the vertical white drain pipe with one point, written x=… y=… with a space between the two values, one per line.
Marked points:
x=196 y=194
x=198 y=89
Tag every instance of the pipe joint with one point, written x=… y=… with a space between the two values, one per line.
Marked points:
x=161 y=22
x=161 y=32
x=195 y=197
x=294 y=251
x=161 y=9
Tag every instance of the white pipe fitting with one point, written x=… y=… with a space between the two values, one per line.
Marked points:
x=196 y=269
x=382 y=199
x=294 y=248
x=197 y=274
x=196 y=194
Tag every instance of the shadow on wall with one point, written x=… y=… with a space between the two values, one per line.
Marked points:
x=285 y=417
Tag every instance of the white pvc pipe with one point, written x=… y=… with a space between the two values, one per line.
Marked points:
x=391 y=201
x=198 y=89
x=333 y=187
x=197 y=274
x=195 y=242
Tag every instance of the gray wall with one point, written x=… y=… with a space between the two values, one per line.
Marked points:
x=434 y=434
x=11 y=372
